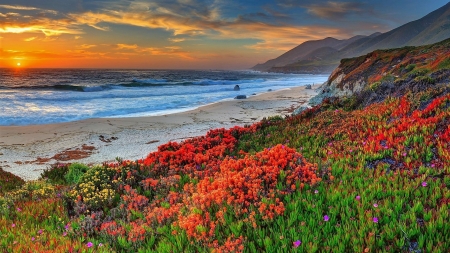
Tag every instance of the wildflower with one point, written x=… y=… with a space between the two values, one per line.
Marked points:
x=404 y=153
x=100 y=244
x=297 y=243
x=89 y=244
x=32 y=238
x=375 y=205
x=40 y=231
x=358 y=197
x=424 y=184
x=432 y=165
x=326 y=218
x=316 y=191
x=351 y=150
x=64 y=233
x=13 y=225
x=375 y=219
x=18 y=209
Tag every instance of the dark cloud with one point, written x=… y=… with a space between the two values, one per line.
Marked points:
x=337 y=10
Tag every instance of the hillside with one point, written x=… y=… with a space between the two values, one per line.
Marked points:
x=432 y=28
x=303 y=50
x=393 y=72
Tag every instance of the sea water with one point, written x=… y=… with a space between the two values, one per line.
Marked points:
x=42 y=96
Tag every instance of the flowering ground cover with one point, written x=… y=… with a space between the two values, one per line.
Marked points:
x=338 y=177
x=374 y=179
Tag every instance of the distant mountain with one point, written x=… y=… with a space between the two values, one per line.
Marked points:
x=432 y=28
x=298 y=53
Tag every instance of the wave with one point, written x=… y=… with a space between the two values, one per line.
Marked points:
x=141 y=83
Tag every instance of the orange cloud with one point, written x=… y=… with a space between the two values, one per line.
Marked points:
x=126 y=46
x=168 y=51
x=30 y=39
x=86 y=46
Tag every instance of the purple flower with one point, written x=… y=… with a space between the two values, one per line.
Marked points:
x=32 y=238
x=375 y=205
x=64 y=233
x=100 y=244
x=40 y=231
x=18 y=209
x=13 y=225
x=297 y=243
x=404 y=154
x=424 y=184
x=432 y=165
x=375 y=219
x=326 y=218
x=316 y=191
x=358 y=197
x=89 y=244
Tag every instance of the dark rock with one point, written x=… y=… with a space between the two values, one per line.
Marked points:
x=236 y=87
x=308 y=86
x=241 y=97
x=269 y=90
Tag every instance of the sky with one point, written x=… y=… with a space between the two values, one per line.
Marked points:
x=183 y=34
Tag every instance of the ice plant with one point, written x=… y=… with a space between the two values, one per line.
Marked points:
x=375 y=219
x=358 y=197
x=316 y=191
x=326 y=218
x=424 y=184
x=375 y=205
x=89 y=244
x=297 y=243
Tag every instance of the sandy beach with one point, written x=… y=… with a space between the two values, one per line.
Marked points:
x=27 y=150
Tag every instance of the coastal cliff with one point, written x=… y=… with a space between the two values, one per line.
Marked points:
x=393 y=72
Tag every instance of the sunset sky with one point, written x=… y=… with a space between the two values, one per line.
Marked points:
x=183 y=34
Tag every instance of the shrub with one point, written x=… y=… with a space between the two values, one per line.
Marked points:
x=9 y=181
x=6 y=206
x=56 y=173
x=75 y=172
x=410 y=67
x=96 y=187
x=418 y=72
x=425 y=80
x=374 y=86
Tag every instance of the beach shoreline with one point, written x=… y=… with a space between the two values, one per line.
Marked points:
x=27 y=150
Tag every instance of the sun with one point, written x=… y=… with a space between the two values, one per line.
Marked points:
x=18 y=64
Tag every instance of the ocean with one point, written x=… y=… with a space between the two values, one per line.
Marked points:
x=43 y=96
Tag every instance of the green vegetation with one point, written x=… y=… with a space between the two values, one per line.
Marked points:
x=75 y=172
x=374 y=179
